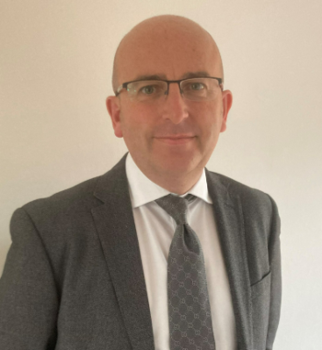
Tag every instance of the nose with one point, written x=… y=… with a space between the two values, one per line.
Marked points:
x=174 y=106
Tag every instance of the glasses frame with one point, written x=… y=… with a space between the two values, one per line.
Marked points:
x=124 y=85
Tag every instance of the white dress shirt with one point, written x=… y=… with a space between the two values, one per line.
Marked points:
x=155 y=229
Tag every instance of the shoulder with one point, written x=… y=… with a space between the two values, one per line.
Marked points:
x=62 y=213
x=252 y=200
x=69 y=199
x=76 y=202
x=256 y=211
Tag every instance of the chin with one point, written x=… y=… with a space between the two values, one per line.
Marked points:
x=177 y=166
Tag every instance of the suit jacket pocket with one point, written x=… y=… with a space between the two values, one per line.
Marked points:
x=261 y=286
x=261 y=292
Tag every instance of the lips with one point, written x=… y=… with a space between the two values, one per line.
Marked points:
x=175 y=139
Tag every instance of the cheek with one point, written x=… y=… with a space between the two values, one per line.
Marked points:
x=136 y=129
x=138 y=115
x=210 y=124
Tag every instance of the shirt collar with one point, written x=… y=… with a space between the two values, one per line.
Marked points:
x=143 y=190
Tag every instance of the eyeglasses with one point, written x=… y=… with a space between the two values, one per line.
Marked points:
x=195 y=89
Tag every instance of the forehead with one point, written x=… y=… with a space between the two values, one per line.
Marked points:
x=170 y=50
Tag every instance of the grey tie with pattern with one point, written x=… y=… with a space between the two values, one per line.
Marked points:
x=188 y=301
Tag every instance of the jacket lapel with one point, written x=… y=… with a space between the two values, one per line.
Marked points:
x=115 y=225
x=229 y=219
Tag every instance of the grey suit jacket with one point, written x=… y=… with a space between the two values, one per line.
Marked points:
x=73 y=278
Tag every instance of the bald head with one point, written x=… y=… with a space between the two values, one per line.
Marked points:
x=165 y=38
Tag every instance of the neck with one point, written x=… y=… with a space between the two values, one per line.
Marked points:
x=178 y=183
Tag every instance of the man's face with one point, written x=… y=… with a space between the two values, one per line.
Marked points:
x=172 y=136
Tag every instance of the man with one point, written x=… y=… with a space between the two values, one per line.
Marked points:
x=88 y=267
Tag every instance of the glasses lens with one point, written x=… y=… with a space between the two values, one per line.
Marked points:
x=146 y=90
x=199 y=89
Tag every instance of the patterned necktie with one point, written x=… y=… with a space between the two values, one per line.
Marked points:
x=188 y=301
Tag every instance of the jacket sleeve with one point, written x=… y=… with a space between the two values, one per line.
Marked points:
x=276 y=280
x=28 y=296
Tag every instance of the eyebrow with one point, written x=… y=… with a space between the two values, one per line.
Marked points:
x=195 y=74
x=164 y=77
x=151 y=77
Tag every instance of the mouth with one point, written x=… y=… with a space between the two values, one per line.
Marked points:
x=175 y=139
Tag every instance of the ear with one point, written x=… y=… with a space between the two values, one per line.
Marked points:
x=114 y=110
x=227 y=101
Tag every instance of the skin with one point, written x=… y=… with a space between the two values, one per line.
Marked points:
x=172 y=140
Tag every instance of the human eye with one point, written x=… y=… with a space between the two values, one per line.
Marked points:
x=150 y=88
x=197 y=86
x=194 y=85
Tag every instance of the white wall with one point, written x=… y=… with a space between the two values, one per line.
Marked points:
x=56 y=59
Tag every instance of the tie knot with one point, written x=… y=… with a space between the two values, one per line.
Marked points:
x=175 y=206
